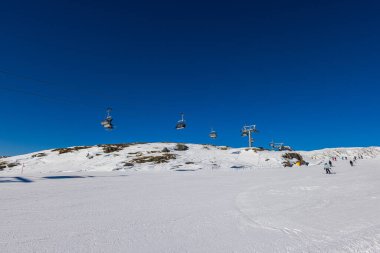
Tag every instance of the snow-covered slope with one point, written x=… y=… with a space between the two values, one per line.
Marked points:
x=204 y=199
x=152 y=156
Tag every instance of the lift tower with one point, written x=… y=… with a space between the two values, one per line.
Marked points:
x=248 y=130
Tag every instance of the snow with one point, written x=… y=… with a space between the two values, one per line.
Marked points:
x=198 y=157
x=205 y=206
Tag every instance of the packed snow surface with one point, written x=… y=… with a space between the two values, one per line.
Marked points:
x=204 y=199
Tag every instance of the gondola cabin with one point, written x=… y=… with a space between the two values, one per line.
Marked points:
x=181 y=124
x=213 y=135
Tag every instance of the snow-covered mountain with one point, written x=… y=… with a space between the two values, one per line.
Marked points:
x=165 y=197
x=165 y=156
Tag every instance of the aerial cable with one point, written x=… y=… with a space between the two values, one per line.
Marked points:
x=26 y=77
x=46 y=83
x=46 y=97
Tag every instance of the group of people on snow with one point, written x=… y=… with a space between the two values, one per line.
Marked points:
x=328 y=165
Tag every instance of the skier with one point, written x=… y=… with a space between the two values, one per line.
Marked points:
x=327 y=168
x=330 y=163
x=351 y=163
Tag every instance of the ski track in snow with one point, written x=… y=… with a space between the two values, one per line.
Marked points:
x=354 y=231
x=259 y=207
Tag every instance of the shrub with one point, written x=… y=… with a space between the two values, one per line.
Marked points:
x=153 y=152
x=181 y=147
x=69 y=150
x=3 y=165
x=139 y=153
x=154 y=159
x=119 y=146
x=38 y=155
x=287 y=163
x=10 y=165
x=292 y=156
x=109 y=148
x=286 y=148
x=165 y=150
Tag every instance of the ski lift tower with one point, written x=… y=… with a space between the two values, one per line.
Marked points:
x=247 y=131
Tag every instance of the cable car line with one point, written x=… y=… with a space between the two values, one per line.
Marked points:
x=47 y=84
x=107 y=123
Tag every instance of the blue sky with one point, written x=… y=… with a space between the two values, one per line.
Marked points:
x=306 y=73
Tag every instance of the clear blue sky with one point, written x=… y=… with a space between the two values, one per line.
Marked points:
x=306 y=73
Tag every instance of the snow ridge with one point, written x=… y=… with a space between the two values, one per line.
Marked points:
x=164 y=156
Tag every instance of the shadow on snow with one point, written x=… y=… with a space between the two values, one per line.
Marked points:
x=62 y=177
x=27 y=180
x=15 y=180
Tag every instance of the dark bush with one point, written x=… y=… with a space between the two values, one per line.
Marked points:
x=139 y=153
x=287 y=163
x=153 y=152
x=38 y=155
x=109 y=148
x=165 y=150
x=69 y=150
x=154 y=159
x=3 y=165
x=291 y=156
x=286 y=148
x=10 y=165
x=181 y=147
x=112 y=148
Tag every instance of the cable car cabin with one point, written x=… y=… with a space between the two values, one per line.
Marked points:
x=213 y=135
x=180 y=125
x=244 y=132
x=107 y=123
x=108 y=126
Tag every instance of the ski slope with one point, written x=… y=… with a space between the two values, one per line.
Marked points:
x=197 y=157
x=69 y=203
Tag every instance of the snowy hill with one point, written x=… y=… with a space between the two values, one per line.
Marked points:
x=155 y=198
x=164 y=156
